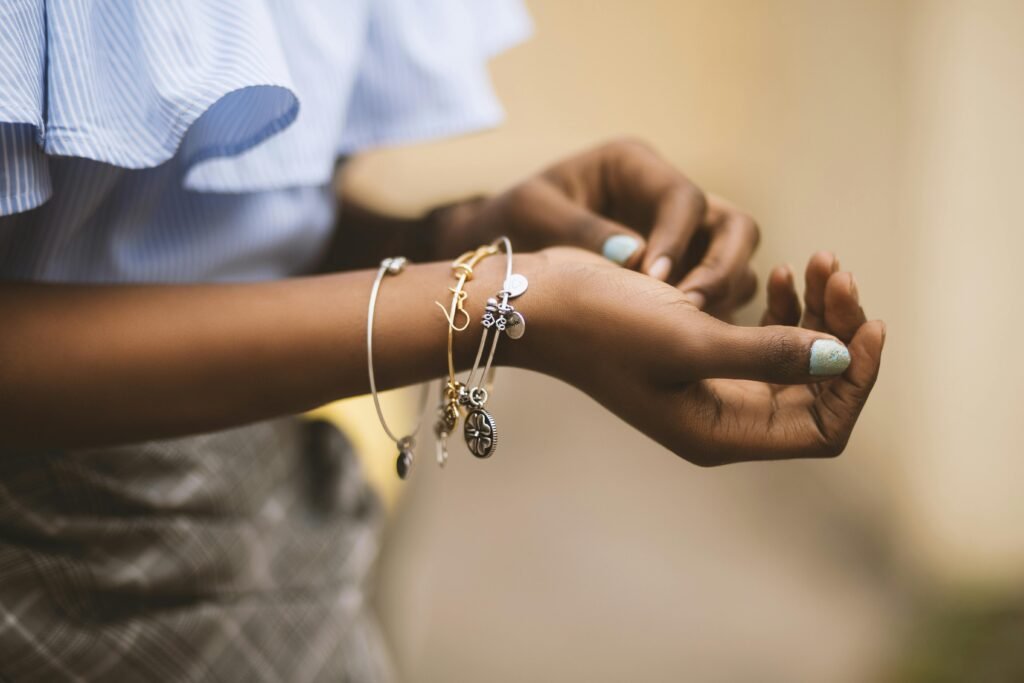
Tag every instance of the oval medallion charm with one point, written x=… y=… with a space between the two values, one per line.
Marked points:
x=481 y=433
x=404 y=463
x=515 y=285
x=516 y=326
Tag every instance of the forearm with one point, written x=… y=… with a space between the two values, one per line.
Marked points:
x=89 y=365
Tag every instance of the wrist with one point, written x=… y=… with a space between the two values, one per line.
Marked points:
x=541 y=307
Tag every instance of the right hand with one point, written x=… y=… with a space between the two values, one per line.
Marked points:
x=711 y=392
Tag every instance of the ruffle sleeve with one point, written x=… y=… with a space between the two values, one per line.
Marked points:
x=217 y=85
x=132 y=85
x=424 y=70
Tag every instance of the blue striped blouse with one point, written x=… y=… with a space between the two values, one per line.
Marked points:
x=183 y=140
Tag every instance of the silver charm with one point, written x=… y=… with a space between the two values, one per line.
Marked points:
x=489 y=310
x=404 y=462
x=481 y=433
x=516 y=326
x=515 y=285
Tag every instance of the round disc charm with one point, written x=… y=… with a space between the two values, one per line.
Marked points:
x=481 y=433
x=515 y=285
x=516 y=326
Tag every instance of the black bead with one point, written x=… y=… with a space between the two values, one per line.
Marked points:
x=404 y=463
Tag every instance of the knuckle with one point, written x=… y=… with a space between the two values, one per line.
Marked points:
x=748 y=227
x=834 y=444
x=628 y=143
x=705 y=454
x=583 y=229
x=696 y=197
x=711 y=281
x=748 y=287
x=524 y=192
x=784 y=355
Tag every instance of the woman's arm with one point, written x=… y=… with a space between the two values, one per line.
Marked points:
x=97 y=365
x=91 y=365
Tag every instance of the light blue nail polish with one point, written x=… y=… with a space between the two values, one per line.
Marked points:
x=829 y=357
x=619 y=248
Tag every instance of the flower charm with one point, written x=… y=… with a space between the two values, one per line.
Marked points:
x=481 y=433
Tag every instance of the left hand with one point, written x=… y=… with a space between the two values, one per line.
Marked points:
x=624 y=201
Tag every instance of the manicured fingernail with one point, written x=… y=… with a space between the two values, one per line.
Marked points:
x=619 y=248
x=660 y=269
x=829 y=357
x=696 y=298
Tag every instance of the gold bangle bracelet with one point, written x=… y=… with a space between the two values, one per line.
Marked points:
x=448 y=412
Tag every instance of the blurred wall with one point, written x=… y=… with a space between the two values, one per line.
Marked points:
x=889 y=132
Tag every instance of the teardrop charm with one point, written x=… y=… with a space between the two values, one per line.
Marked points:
x=404 y=463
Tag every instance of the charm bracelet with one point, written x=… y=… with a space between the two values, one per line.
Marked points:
x=480 y=429
x=448 y=411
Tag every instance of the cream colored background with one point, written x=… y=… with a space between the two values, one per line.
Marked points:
x=889 y=132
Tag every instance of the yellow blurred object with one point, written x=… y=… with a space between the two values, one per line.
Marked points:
x=358 y=419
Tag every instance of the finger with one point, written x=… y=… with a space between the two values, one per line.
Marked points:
x=837 y=407
x=819 y=269
x=843 y=314
x=581 y=227
x=732 y=244
x=775 y=354
x=678 y=215
x=783 y=302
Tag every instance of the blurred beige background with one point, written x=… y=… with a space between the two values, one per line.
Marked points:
x=889 y=132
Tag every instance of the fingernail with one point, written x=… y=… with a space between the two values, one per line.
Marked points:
x=696 y=298
x=660 y=269
x=829 y=357
x=619 y=248
x=790 y=277
x=853 y=287
x=835 y=264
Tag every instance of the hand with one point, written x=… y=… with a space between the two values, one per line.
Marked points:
x=622 y=200
x=711 y=392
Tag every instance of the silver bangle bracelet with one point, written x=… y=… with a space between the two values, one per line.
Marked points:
x=405 y=444
x=480 y=428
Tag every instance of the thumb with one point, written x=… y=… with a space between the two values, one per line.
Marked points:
x=570 y=224
x=776 y=354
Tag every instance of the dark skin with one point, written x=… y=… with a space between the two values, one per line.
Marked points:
x=88 y=365
x=701 y=243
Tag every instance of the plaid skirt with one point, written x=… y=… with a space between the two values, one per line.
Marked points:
x=240 y=555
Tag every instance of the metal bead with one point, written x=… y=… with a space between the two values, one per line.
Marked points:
x=394 y=265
